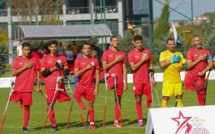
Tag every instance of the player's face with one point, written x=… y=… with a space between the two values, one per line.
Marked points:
x=86 y=50
x=53 y=49
x=138 y=44
x=197 y=42
x=114 y=42
x=171 y=45
x=26 y=51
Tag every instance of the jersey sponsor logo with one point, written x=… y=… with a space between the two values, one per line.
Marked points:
x=83 y=63
x=196 y=55
x=49 y=61
x=110 y=55
x=136 y=56
x=20 y=63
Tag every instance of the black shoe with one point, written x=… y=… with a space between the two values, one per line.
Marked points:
x=25 y=130
x=54 y=129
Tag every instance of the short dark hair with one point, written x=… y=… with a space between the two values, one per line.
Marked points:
x=86 y=43
x=196 y=36
x=53 y=42
x=137 y=37
x=169 y=39
x=113 y=37
x=25 y=44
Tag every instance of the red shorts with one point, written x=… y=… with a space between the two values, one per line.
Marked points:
x=25 y=98
x=87 y=92
x=188 y=83
x=61 y=96
x=142 y=88
x=119 y=86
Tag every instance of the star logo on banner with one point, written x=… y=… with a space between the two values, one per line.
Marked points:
x=181 y=120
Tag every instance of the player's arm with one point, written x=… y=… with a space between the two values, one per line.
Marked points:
x=164 y=64
x=209 y=67
x=97 y=83
x=191 y=64
x=107 y=66
x=46 y=72
x=152 y=72
x=27 y=65
x=38 y=88
x=136 y=66
x=81 y=72
x=125 y=77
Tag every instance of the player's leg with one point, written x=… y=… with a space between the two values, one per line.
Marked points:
x=146 y=89
x=138 y=91
x=26 y=102
x=51 y=101
x=178 y=94
x=167 y=91
x=118 y=96
x=79 y=91
x=201 y=97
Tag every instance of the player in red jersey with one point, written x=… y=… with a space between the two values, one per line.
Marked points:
x=199 y=61
x=52 y=66
x=86 y=67
x=141 y=61
x=25 y=68
x=114 y=62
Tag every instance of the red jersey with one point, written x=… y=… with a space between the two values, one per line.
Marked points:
x=87 y=78
x=36 y=56
x=25 y=80
x=140 y=75
x=193 y=54
x=49 y=62
x=117 y=69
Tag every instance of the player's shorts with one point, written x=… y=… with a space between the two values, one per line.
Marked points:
x=61 y=96
x=170 y=89
x=142 y=88
x=119 y=86
x=189 y=83
x=25 y=98
x=86 y=91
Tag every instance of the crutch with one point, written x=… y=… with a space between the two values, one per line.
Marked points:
x=68 y=82
x=153 y=103
x=58 y=80
x=117 y=99
x=79 y=112
x=42 y=95
x=206 y=80
x=5 y=111
x=104 y=118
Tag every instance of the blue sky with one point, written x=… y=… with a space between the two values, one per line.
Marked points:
x=199 y=7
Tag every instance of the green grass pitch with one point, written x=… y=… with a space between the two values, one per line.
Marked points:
x=14 y=117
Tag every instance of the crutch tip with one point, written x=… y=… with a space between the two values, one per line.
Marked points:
x=42 y=130
x=85 y=127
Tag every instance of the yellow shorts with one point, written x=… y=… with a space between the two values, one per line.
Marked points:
x=170 y=89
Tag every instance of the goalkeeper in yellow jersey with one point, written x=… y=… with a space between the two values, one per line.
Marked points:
x=171 y=61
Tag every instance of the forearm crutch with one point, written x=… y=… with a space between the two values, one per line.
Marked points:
x=117 y=99
x=58 y=80
x=206 y=80
x=7 y=104
x=104 y=118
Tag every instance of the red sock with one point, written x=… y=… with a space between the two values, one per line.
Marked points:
x=117 y=112
x=201 y=99
x=52 y=117
x=139 y=110
x=91 y=114
x=26 y=115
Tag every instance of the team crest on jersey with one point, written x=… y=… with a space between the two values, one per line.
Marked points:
x=190 y=125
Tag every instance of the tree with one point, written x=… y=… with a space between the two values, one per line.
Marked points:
x=162 y=28
x=3 y=50
x=29 y=9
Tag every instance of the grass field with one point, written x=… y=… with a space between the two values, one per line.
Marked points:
x=14 y=117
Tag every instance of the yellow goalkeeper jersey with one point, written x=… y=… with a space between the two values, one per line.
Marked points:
x=172 y=72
